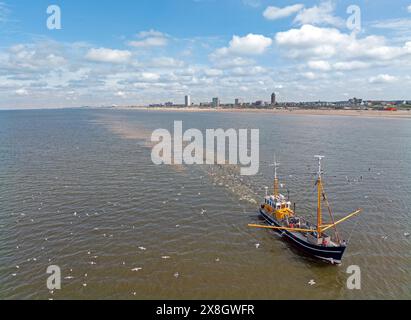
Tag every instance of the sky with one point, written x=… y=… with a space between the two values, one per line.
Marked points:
x=143 y=52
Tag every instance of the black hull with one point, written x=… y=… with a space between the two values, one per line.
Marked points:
x=330 y=254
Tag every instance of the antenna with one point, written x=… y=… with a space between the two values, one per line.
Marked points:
x=319 y=165
x=275 y=164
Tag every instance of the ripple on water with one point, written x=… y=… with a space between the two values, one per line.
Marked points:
x=81 y=192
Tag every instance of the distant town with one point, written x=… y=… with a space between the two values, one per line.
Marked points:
x=351 y=104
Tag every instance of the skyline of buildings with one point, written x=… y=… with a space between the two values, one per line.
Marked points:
x=238 y=102
x=187 y=101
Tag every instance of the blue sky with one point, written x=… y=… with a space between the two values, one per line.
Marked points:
x=152 y=51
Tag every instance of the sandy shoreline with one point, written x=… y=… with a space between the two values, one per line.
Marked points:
x=349 y=113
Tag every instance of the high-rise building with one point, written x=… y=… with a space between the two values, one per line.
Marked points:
x=237 y=102
x=273 y=99
x=187 y=101
x=216 y=102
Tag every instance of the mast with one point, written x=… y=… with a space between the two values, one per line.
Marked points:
x=275 y=178
x=320 y=187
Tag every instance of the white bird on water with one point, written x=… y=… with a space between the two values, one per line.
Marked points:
x=136 y=269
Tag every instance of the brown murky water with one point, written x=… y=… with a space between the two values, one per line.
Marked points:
x=78 y=190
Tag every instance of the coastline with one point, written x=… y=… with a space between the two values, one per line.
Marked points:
x=402 y=114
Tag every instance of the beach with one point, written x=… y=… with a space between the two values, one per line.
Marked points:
x=307 y=112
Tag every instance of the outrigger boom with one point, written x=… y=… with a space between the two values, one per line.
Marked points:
x=323 y=227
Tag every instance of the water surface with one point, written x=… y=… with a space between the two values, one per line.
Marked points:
x=78 y=189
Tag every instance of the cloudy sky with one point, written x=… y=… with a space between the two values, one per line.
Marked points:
x=152 y=51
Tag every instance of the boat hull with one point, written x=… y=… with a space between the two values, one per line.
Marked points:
x=332 y=255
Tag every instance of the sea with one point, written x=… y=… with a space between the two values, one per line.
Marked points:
x=79 y=190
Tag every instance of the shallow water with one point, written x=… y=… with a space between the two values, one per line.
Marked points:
x=78 y=190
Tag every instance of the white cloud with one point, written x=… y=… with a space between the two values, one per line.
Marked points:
x=325 y=66
x=22 y=92
x=251 y=44
x=310 y=75
x=120 y=94
x=409 y=8
x=151 y=38
x=166 y=62
x=393 y=24
x=315 y=42
x=248 y=71
x=32 y=58
x=319 y=65
x=350 y=65
x=149 y=42
x=151 y=33
x=274 y=13
x=213 y=72
x=108 y=55
x=227 y=62
x=323 y=14
x=383 y=78
x=149 y=76
x=252 y=3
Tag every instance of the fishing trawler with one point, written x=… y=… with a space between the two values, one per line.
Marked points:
x=311 y=238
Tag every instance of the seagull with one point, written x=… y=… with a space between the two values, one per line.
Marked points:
x=257 y=245
x=136 y=269
x=311 y=282
x=142 y=248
